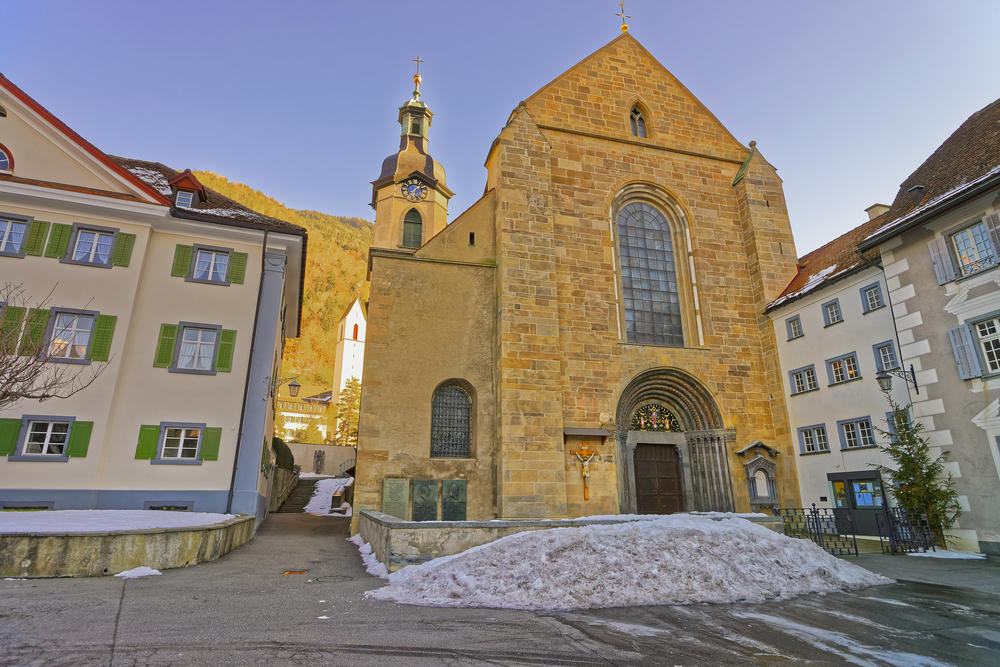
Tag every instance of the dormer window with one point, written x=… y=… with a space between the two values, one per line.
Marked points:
x=185 y=199
x=638 y=123
x=188 y=191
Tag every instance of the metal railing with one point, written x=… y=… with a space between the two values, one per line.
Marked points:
x=900 y=531
x=831 y=529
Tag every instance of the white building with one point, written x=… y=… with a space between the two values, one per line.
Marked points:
x=350 y=347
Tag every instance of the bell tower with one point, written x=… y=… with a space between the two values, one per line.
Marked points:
x=410 y=196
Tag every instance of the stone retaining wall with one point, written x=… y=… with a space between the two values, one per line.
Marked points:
x=398 y=543
x=281 y=486
x=111 y=552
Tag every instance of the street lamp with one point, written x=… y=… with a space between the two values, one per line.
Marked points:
x=884 y=378
x=293 y=388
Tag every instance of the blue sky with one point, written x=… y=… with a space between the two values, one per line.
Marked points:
x=299 y=99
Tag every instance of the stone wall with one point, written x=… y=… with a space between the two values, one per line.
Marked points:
x=282 y=483
x=336 y=459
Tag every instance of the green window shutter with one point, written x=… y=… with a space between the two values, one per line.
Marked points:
x=210 y=444
x=182 y=260
x=122 y=252
x=10 y=328
x=104 y=331
x=34 y=332
x=149 y=440
x=224 y=351
x=79 y=439
x=9 y=430
x=165 y=346
x=237 y=268
x=58 y=240
x=34 y=244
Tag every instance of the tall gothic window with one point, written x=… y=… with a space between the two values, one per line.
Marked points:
x=412 y=229
x=638 y=123
x=649 y=278
x=451 y=422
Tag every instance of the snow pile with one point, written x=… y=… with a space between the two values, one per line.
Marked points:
x=345 y=509
x=100 y=521
x=372 y=564
x=313 y=475
x=136 y=572
x=322 y=497
x=678 y=559
x=951 y=553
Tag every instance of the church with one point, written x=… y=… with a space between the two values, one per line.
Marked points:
x=589 y=336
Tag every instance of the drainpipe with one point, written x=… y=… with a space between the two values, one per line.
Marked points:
x=246 y=383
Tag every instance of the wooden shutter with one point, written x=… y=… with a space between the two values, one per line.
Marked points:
x=237 y=267
x=122 y=252
x=210 y=439
x=34 y=244
x=104 y=331
x=9 y=430
x=182 y=260
x=963 y=347
x=165 y=346
x=58 y=240
x=10 y=328
x=941 y=258
x=224 y=351
x=992 y=222
x=79 y=439
x=149 y=440
x=34 y=332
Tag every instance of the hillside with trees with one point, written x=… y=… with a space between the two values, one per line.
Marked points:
x=336 y=265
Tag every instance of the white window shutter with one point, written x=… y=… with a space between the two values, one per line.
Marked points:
x=943 y=268
x=966 y=359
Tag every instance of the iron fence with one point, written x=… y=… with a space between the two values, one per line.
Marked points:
x=900 y=531
x=831 y=529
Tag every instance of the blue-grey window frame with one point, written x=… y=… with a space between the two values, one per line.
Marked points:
x=843 y=434
x=184 y=192
x=77 y=228
x=864 y=298
x=956 y=262
x=180 y=341
x=788 y=327
x=50 y=328
x=878 y=358
x=26 y=220
x=970 y=324
x=196 y=461
x=194 y=263
x=791 y=380
x=22 y=439
x=841 y=357
x=802 y=440
x=826 y=317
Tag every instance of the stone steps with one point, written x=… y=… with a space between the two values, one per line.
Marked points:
x=299 y=497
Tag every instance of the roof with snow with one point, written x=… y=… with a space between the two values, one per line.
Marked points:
x=966 y=164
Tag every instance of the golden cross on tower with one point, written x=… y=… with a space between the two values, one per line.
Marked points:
x=621 y=6
x=418 y=60
x=416 y=77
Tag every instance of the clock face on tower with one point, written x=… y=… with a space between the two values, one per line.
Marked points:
x=414 y=189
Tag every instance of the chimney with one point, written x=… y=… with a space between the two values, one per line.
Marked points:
x=875 y=210
x=916 y=194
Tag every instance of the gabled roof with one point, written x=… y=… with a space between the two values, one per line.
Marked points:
x=187 y=181
x=966 y=164
x=364 y=309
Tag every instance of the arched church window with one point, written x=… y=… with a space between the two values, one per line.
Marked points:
x=451 y=422
x=355 y=332
x=413 y=226
x=649 y=277
x=654 y=417
x=638 y=123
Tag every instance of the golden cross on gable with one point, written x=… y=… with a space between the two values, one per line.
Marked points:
x=621 y=6
x=418 y=60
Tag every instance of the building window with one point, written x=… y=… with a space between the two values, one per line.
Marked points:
x=355 y=332
x=197 y=348
x=885 y=356
x=813 y=440
x=649 y=278
x=988 y=333
x=185 y=199
x=413 y=226
x=6 y=161
x=793 y=325
x=451 y=422
x=803 y=379
x=210 y=266
x=46 y=438
x=71 y=336
x=856 y=433
x=843 y=369
x=93 y=246
x=973 y=249
x=871 y=297
x=638 y=123
x=12 y=237
x=180 y=442
x=832 y=313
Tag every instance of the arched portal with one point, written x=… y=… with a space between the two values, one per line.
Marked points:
x=671 y=441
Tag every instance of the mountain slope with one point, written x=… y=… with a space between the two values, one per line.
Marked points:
x=336 y=265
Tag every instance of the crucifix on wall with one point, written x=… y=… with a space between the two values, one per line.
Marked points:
x=585 y=455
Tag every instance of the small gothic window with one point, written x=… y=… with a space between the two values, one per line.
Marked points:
x=653 y=417
x=355 y=332
x=451 y=422
x=761 y=482
x=412 y=229
x=638 y=123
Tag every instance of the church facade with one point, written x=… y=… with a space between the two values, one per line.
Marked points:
x=588 y=337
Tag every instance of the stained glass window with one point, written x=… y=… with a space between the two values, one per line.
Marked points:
x=654 y=417
x=451 y=422
x=649 y=279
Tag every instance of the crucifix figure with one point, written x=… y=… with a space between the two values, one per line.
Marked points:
x=621 y=13
x=585 y=455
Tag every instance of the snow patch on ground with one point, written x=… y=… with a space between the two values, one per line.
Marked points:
x=372 y=564
x=322 y=497
x=100 y=521
x=345 y=509
x=951 y=553
x=313 y=475
x=136 y=572
x=678 y=559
